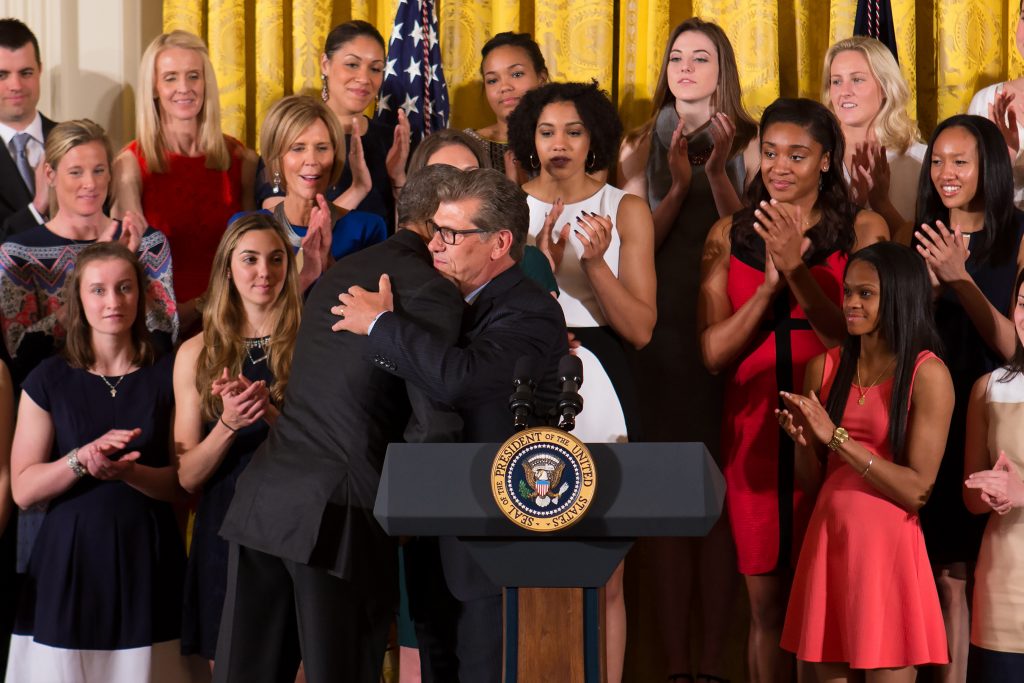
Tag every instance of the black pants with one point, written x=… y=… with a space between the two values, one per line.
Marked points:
x=278 y=612
x=459 y=640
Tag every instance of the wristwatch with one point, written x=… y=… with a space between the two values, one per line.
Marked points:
x=75 y=466
x=839 y=437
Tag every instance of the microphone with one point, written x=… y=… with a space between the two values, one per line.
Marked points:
x=521 y=400
x=570 y=403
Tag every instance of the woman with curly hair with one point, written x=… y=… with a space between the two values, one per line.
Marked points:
x=769 y=302
x=690 y=161
x=228 y=384
x=862 y=85
x=599 y=242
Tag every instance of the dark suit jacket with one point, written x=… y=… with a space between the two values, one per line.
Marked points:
x=15 y=215
x=308 y=493
x=512 y=317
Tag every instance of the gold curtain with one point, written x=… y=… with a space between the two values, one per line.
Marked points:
x=264 y=49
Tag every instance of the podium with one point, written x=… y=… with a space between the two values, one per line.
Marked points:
x=643 y=489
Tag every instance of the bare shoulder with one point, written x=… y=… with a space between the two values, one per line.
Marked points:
x=933 y=383
x=870 y=227
x=188 y=353
x=126 y=166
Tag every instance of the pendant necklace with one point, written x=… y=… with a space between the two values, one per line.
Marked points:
x=113 y=387
x=257 y=349
x=861 y=389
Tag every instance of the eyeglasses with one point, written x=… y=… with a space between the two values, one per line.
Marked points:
x=450 y=235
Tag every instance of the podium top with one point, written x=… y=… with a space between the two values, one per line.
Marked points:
x=644 y=489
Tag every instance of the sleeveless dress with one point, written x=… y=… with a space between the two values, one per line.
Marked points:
x=863 y=592
x=953 y=534
x=206 y=573
x=494 y=151
x=102 y=600
x=997 y=622
x=609 y=395
x=767 y=512
x=191 y=205
x=673 y=358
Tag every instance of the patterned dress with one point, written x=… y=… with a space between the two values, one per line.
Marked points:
x=33 y=267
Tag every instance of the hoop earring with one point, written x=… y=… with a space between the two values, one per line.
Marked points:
x=591 y=160
x=324 y=95
x=534 y=161
x=277 y=182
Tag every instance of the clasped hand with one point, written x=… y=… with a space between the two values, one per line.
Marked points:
x=1001 y=487
x=805 y=416
x=95 y=456
x=945 y=252
x=359 y=307
x=244 y=401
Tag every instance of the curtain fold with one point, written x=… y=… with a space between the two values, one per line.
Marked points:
x=264 y=49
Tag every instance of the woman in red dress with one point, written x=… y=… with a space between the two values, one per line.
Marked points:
x=863 y=596
x=770 y=294
x=182 y=174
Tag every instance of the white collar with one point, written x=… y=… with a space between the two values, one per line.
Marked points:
x=34 y=129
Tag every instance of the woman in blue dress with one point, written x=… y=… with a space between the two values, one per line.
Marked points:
x=102 y=600
x=228 y=383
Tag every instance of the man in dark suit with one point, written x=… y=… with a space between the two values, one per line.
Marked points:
x=24 y=199
x=310 y=570
x=479 y=232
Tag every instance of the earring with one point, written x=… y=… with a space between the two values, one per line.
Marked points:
x=324 y=95
x=277 y=182
x=534 y=161
x=591 y=160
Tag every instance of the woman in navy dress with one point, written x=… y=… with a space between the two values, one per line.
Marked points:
x=102 y=601
x=228 y=382
x=969 y=233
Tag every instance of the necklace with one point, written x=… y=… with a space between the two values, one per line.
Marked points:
x=113 y=387
x=861 y=389
x=259 y=345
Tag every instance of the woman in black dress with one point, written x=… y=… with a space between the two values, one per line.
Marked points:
x=102 y=601
x=228 y=382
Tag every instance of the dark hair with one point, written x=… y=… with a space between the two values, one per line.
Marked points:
x=78 y=349
x=441 y=139
x=835 y=228
x=1015 y=366
x=994 y=244
x=14 y=35
x=343 y=33
x=523 y=41
x=503 y=203
x=418 y=201
x=595 y=109
x=726 y=97
x=906 y=324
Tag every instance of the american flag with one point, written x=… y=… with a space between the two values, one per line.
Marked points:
x=413 y=78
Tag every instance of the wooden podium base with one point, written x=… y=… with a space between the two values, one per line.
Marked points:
x=554 y=634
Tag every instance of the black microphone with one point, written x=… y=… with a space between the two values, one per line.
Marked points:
x=521 y=400
x=570 y=403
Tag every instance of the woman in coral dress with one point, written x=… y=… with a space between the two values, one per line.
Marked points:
x=863 y=596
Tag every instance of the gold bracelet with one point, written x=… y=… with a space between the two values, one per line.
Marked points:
x=864 y=474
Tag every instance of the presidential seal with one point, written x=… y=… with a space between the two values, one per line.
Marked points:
x=543 y=479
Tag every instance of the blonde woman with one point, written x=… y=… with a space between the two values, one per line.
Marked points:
x=182 y=173
x=862 y=85
x=228 y=382
x=303 y=146
x=34 y=264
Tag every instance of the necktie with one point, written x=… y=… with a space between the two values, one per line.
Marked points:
x=21 y=160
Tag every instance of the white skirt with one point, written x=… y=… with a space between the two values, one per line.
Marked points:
x=32 y=662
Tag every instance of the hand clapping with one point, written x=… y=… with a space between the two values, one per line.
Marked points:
x=1001 y=487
